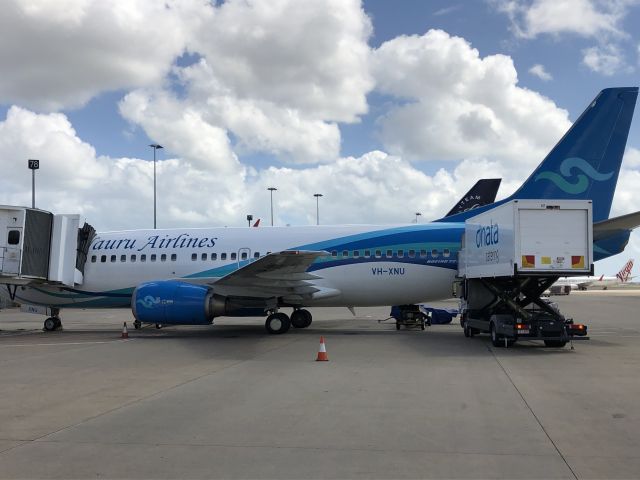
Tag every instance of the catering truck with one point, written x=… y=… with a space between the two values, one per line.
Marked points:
x=510 y=255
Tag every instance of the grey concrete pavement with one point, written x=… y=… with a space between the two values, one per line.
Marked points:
x=230 y=401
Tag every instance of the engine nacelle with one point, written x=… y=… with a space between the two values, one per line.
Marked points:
x=171 y=302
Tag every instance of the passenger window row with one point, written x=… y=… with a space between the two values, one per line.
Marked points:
x=400 y=253
x=163 y=257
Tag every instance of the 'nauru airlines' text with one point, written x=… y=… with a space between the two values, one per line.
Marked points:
x=184 y=240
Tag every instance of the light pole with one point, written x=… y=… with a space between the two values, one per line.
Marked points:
x=417 y=215
x=33 y=166
x=272 y=189
x=317 y=195
x=155 y=147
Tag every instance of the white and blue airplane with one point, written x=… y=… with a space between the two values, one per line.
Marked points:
x=191 y=276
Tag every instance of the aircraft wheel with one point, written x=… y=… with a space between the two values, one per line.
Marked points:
x=51 y=323
x=277 y=323
x=137 y=325
x=301 y=318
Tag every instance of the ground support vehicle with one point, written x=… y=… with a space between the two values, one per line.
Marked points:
x=511 y=309
x=410 y=316
x=513 y=253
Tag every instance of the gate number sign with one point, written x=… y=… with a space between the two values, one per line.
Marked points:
x=34 y=164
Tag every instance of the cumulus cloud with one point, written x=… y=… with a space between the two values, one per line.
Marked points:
x=61 y=54
x=588 y=18
x=539 y=71
x=455 y=104
x=276 y=75
x=606 y=60
x=598 y=20
x=117 y=193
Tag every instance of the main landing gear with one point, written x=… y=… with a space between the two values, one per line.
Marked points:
x=279 y=322
x=53 y=322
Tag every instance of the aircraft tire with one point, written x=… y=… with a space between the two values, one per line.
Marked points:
x=137 y=325
x=50 y=324
x=301 y=318
x=277 y=323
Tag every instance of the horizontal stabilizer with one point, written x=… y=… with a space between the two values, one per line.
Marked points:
x=614 y=225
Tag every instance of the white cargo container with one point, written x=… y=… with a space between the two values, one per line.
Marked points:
x=529 y=237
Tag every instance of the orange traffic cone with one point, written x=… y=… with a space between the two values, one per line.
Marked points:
x=125 y=333
x=322 y=352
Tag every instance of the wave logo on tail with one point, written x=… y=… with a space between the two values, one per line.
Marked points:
x=581 y=181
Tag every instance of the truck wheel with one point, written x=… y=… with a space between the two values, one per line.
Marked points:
x=496 y=341
x=467 y=330
x=555 y=343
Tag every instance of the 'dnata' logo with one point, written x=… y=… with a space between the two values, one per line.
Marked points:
x=487 y=235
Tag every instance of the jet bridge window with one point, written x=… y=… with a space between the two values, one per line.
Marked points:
x=14 y=237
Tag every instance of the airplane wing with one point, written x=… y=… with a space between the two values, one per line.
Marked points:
x=612 y=226
x=280 y=274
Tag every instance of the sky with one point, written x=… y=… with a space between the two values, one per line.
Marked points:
x=385 y=108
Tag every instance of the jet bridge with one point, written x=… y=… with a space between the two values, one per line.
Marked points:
x=37 y=246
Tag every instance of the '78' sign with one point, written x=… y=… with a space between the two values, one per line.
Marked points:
x=34 y=164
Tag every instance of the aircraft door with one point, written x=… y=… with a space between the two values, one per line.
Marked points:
x=11 y=262
x=244 y=254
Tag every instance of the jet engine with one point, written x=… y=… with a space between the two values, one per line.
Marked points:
x=172 y=302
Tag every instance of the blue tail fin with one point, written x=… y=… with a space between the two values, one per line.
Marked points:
x=586 y=162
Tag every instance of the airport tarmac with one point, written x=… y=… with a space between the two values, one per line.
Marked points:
x=231 y=401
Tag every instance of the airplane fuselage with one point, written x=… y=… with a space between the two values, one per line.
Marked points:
x=367 y=265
